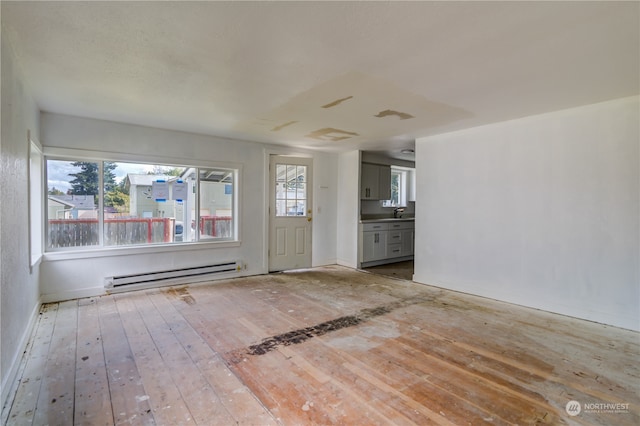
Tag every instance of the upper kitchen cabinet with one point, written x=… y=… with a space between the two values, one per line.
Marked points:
x=375 y=182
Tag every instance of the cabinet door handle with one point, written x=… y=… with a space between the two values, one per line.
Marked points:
x=376 y=237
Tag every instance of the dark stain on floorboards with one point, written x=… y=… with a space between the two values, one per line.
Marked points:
x=301 y=335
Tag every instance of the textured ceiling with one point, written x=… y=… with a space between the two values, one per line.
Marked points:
x=323 y=75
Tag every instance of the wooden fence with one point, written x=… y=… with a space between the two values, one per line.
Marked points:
x=216 y=226
x=85 y=232
x=118 y=232
x=137 y=231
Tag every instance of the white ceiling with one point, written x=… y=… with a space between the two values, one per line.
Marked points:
x=323 y=75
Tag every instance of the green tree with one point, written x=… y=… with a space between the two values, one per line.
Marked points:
x=109 y=178
x=122 y=186
x=117 y=199
x=55 y=191
x=85 y=182
x=167 y=171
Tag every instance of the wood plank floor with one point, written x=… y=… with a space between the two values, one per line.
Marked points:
x=318 y=347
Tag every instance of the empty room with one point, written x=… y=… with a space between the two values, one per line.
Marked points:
x=320 y=213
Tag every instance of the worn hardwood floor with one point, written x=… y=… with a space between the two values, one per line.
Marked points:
x=322 y=346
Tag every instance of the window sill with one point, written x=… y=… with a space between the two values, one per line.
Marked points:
x=128 y=251
x=35 y=262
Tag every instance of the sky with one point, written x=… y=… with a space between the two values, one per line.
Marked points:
x=58 y=172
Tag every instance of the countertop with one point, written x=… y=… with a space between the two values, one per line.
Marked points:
x=388 y=219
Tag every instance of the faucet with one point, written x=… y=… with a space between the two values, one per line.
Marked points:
x=397 y=212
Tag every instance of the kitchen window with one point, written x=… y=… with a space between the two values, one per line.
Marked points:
x=99 y=204
x=398 y=189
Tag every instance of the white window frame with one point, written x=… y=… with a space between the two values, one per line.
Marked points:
x=36 y=183
x=66 y=154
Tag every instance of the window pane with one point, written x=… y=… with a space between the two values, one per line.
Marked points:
x=134 y=210
x=281 y=190
x=281 y=172
x=301 y=192
x=72 y=212
x=292 y=208
x=302 y=174
x=301 y=208
x=395 y=188
x=216 y=203
x=281 y=207
x=291 y=173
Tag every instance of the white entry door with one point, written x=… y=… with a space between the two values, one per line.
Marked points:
x=290 y=213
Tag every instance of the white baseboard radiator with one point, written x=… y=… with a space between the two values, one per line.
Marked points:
x=172 y=277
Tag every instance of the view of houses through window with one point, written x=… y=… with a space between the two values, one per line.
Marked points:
x=92 y=203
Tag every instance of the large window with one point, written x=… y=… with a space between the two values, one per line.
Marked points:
x=106 y=203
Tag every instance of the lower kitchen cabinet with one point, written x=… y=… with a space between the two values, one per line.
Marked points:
x=408 y=236
x=374 y=245
x=386 y=242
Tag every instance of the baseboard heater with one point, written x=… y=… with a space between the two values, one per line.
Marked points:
x=173 y=276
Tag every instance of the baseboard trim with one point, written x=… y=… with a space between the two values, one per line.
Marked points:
x=577 y=312
x=9 y=382
x=73 y=294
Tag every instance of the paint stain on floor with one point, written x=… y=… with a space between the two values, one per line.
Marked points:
x=181 y=293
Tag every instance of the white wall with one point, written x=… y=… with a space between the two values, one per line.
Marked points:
x=18 y=286
x=65 y=277
x=348 y=208
x=541 y=211
x=325 y=219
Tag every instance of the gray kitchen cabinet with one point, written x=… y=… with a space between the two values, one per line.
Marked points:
x=408 y=236
x=386 y=242
x=374 y=242
x=375 y=181
x=374 y=245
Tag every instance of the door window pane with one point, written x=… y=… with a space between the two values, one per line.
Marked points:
x=290 y=190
